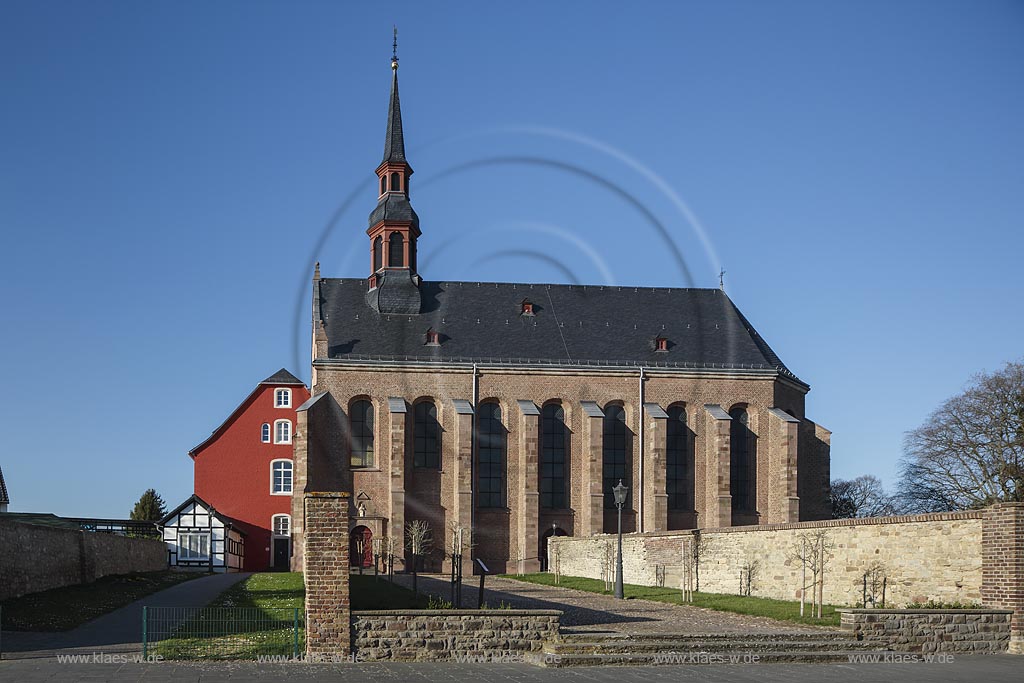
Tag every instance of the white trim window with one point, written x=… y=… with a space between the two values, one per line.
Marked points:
x=194 y=546
x=265 y=432
x=281 y=477
x=282 y=431
x=283 y=398
x=281 y=525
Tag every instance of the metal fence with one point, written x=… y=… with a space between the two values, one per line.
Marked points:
x=222 y=632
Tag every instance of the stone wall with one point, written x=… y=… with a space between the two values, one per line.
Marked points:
x=1003 y=559
x=35 y=557
x=326 y=574
x=926 y=557
x=960 y=630
x=440 y=635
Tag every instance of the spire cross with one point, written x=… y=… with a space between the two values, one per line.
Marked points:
x=721 y=279
x=394 y=50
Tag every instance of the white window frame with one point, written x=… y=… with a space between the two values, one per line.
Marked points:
x=291 y=477
x=185 y=553
x=266 y=432
x=277 y=432
x=280 y=394
x=273 y=526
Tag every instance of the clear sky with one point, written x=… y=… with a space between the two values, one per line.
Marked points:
x=169 y=172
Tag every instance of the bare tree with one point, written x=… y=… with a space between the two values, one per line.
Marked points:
x=748 y=574
x=388 y=550
x=813 y=551
x=419 y=540
x=700 y=547
x=608 y=564
x=969 y=453
x=861 y=497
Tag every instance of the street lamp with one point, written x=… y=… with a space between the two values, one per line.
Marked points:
x=620 y=492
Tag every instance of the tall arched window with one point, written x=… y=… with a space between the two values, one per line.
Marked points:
x=552 y=457
x=361 y=424
x=282 y=431
x=383 y=184
x=742 y=463
x=426 y=433
x=490 y=457
x=378 y=253
x=265 y=432
x=678 y=460
x=616 y=449
x=395 y=182
x=395 y=248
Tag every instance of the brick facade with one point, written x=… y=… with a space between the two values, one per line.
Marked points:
x=1003 y=565
x=328 y=626
x=393 y=491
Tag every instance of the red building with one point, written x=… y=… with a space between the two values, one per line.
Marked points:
x=244 y=469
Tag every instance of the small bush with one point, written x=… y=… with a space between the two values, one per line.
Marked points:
x=935 y=604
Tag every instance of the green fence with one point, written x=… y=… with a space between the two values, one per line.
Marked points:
x=222 y=632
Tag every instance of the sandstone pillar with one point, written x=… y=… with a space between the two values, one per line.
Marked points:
x=655 y=510
x=591 y=512
x=462 y=508
x=783 y=502
x=528 y=495
x=717 y=497
x=395 y=445
x=1002 y=565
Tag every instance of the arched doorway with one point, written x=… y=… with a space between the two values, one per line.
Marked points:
x=360 y=547
x=554 y=531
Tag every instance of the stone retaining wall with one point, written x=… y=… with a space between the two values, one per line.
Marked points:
x=36 y=557
x=442 y=635
x=925 y=557
x=960 y=630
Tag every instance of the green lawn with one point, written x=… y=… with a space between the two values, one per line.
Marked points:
x=257 y=616
x=61 y=609
x=783 y=610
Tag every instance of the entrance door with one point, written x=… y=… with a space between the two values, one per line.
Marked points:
x=281 y=553
x=360 y=547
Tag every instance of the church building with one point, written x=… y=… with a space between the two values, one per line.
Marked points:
x=511 y=410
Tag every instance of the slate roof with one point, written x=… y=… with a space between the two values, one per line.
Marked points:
x=284 y=377
x=394 y=207
x=394 y=140
x=4 y=498
x=571 y=325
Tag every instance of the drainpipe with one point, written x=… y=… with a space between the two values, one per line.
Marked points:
x=472 y=459
x=640 y=493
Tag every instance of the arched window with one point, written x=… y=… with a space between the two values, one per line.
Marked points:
x=552 y=457
x=395 y=248
x=361 y=424
x=265 y=432
x=490 y=457
x=616 y=450
x=283 y=398
x=395 y=182
x=679 y=460
x=742 y=464
x=282 y=431
x=281 y=525
x=426 y=433
x=383 y=184
x=281 y=477
x=378 y=253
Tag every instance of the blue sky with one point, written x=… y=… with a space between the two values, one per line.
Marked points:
x=169 y=169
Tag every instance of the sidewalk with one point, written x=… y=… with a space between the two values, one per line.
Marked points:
x=119 y=631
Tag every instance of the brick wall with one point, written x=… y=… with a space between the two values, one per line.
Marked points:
x=428 y=635
x=1003 y=571
x=977 y=631
x=937 y=557
x=35 y=557
x=327 y=574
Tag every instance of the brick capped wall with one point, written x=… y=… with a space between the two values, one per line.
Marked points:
x=443 y=635
x=1003 y=565
x=327 y=574
x=35 y=557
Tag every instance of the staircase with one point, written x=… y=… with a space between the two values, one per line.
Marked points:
x=600 y=649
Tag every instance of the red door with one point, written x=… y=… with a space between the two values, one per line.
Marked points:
x=360 y=547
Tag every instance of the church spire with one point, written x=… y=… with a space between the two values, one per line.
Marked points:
x=394 y=140
x=394 y=227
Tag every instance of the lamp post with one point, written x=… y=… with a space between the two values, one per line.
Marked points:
x=620 y=492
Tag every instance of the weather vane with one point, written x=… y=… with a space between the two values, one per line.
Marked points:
x=721 y=279
x=394 y=49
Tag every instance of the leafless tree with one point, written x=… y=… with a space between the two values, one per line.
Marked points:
x=608 y=564
x=420 y=541
x=700 y=547
x=969 y=453
x=812 y=551
x=748 y=574
x=861 y=497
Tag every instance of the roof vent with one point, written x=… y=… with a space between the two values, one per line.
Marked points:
x=432 y=338
x=526 y=307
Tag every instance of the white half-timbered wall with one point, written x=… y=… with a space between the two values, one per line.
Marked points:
x=224 y=546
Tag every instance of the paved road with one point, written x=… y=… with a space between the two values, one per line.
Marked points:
x=990 y=668
x=602 y=613
x=120 y=630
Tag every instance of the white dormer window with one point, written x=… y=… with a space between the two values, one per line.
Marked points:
x=282 y=431
x=283 y=398
x=265 y=432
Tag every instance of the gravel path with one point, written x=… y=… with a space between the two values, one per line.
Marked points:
x=591 y=612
